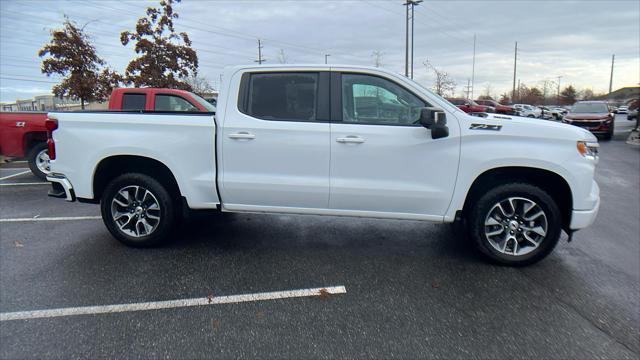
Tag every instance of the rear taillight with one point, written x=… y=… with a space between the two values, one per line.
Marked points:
x=51 y=125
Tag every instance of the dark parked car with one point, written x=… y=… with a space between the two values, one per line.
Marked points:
x=593 y=116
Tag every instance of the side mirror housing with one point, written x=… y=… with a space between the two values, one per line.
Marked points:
x=435 y=120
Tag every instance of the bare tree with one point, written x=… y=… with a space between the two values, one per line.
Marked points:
x=444 y=84
x=377 y=58
x=282 y=57
x=199 y=84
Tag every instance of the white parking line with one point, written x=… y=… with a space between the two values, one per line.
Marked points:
x=5 y=169
x=171 y=304
x=62 y=218
x=26 y=184
x=14 y=175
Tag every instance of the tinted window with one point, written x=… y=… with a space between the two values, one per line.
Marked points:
x=374 y=100
x=457 y=102
x=586 y=108
x=283 y=96
x=133 y=101
x=173 y=103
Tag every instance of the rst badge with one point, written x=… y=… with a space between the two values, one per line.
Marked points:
x=485 y=127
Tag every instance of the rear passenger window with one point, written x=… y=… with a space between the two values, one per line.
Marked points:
x=133 y=101
x=283 y=96
x=172 y=103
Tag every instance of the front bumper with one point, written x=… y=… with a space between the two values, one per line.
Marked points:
x=61 y=187
x=581 y=219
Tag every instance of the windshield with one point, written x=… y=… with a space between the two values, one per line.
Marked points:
x=586 y=108
x=207 y=105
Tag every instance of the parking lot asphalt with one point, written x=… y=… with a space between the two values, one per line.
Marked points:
x=413 y=289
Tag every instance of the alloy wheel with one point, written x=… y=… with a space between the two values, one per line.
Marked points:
x=515 y=226
x=136 y=211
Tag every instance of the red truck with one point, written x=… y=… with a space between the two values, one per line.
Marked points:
x=500 y=109
x=470 y=106
x=23 y=134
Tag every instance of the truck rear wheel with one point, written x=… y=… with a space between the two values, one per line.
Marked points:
x=515 y=224
x=38 y=158
x=138 y=210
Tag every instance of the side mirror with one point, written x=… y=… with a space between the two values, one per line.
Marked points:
x=435 y=120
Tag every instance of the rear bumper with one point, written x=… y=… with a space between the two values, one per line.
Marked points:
x=61 y=187
x=581 y=219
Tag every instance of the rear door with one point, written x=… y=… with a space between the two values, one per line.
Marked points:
x=275 y=143
x=382 y=160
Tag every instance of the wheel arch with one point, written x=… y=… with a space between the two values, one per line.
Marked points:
x=31 y=139
x=549 y=181
x=113 y=166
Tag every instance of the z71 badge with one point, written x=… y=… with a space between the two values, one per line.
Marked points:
x=485 y=127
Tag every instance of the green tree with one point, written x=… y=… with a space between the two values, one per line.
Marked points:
x=568 y=95
x=71 y=55
x=165 y=57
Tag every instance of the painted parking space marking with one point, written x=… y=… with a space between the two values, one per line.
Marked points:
x=14 y=175
x=172 y=304
x=26 y=184
x=61 y=218
x=14 y=169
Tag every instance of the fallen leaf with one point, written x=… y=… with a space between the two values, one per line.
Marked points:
x=210 y=298
x=259 y=315
x=435 y=284
x=215 y=324
x=18 y=244
x=324 y=293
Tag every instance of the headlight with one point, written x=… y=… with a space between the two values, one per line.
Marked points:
x=588 y=149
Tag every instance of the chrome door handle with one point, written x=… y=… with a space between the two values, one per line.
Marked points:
x=242 y=135
x=350 y=139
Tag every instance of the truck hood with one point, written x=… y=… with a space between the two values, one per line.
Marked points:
x=523 y=126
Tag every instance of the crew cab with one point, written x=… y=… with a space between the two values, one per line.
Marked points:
x=23 y=134
x=470 y=106
x=331 y=140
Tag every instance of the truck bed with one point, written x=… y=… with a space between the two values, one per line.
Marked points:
x=183 y=142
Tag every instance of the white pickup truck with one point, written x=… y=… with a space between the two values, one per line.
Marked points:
x=331 y=140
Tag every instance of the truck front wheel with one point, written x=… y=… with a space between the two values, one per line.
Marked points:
x=515 y=224
x=138 y=210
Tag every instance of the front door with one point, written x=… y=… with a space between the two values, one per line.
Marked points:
x=382 y=160
x=275 y=143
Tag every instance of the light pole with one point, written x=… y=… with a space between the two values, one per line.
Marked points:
x=411 y=3
x=326 y=57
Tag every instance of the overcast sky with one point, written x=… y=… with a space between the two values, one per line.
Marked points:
x=572 y=39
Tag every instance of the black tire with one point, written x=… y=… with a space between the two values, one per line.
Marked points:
x=167 y=213
x=32 y=158
x=485 y=203
x=609 y=135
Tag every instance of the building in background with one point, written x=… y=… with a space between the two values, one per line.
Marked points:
x=50 y=103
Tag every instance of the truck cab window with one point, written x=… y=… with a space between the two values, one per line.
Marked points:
x=374 y=100
x=283 y=96
x=172 y=103
x=133 y=101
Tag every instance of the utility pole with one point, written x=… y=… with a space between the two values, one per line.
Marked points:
x=260 y=60
x=411 y=3
x=559 y=78
x=515 y=62
x=326 y=56
x=406 y=49
x=473 y=66
x=613 y=59
x=414 y=3
x=518 y=90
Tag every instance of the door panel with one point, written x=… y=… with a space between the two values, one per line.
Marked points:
x=391 y=168
x=275 y=152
